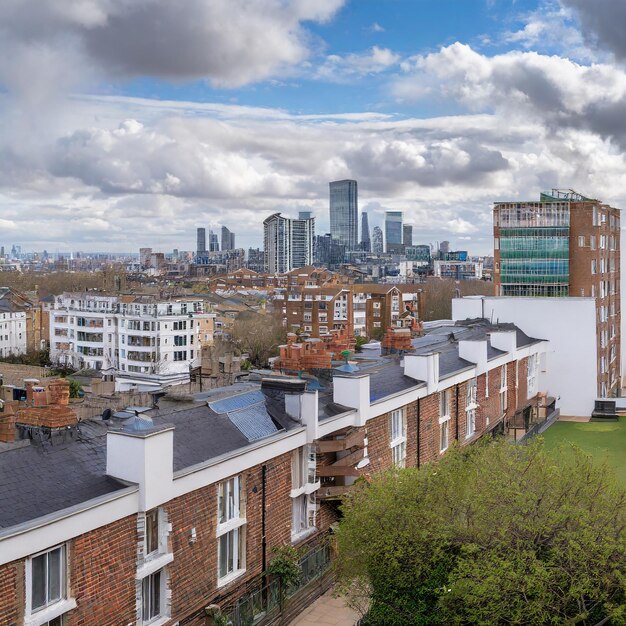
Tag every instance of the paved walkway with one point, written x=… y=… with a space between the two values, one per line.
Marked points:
x=327 y=611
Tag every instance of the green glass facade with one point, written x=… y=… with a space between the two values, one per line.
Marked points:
x=534 y=249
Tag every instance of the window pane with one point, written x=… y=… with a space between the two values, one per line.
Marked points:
x=223 y=555
x=152 y=531
x=221 y=503
x=231 y=549
x=156 y=594
x=54 y=575
x=39 y=566
x=145 y=597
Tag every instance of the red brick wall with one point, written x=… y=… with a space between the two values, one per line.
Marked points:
x=8 y=592
x=193 y=574
x=103 y=564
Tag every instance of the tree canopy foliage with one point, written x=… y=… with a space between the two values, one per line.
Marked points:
x=492 y=534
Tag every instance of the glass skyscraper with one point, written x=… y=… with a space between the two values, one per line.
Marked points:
x=344 y=213
x=393 y=231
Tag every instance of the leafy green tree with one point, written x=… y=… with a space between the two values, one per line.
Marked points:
x=491 y=534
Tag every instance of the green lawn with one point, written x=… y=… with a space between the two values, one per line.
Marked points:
x=606 y=442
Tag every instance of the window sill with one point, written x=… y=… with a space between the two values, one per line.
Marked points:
x=303 y=534
x=444 y=419
x=157 y=621
x=154 y=564
x=307 y=489
x=49 y=613
x=229 y=578
x=443 y=450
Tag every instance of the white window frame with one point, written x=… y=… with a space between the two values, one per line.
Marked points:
x=397 y=423
x=304 y=485
x=152 y=562
x=51 y=610
x=444 y=420
x=531 y=375
x=234 y=525
x=471 y=404
x=503 y=391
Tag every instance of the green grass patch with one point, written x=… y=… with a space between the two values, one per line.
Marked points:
x=605 y=442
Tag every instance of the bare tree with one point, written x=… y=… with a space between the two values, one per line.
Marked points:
x=438 y=294
x=258 y=335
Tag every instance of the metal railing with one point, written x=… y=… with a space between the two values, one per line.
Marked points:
x=267 y=600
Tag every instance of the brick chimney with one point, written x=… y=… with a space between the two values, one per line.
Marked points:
x=7 y=422
x=47 y=409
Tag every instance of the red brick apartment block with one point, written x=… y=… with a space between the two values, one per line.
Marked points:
x=156 y=515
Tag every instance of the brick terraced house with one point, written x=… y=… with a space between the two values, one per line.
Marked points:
x=151 y=516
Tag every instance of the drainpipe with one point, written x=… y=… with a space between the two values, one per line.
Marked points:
x=263 y=522
x=456 y=406
x=418 y=433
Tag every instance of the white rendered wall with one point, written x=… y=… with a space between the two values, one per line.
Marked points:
x=570 y=326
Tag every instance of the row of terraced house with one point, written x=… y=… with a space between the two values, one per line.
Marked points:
x=159 y=516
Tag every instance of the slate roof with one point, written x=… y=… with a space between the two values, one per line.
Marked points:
x=388 y=381
x=50 y=475
x=39 y=479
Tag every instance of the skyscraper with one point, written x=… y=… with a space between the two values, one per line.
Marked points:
x=407 y=235
x=344 y=213
x=366 y=245
x=201 y=242
x=288 y=244
x=393 y=231
x=564 y=245
x=377 y=240
x=214 y=244
x=228 y=239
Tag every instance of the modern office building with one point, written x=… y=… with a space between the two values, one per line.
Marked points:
x=288 y=244
x=344 y=213
x=393 y=232
x=418 y=253
x=366 y=244
x=407 y=236
x=228 y=239
x=564 y=245
x=214 y=244
x=201 y=242
x=377 y=240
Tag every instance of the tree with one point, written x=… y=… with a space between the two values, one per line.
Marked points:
x=258 y=335
x=438 y=294
x=491 y=534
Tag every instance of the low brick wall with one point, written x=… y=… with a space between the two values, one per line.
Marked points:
x=13 y=374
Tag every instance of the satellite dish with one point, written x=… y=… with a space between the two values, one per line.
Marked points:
x=106 y=414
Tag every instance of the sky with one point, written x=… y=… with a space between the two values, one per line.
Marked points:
x=130 y=123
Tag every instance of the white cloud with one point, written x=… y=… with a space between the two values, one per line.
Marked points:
x=520 y=85
x=153 y=179
x=228 y=42
x=374 y=61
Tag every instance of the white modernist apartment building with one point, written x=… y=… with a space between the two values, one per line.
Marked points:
x=12 y=332
x=144 y=339
x=570 y=326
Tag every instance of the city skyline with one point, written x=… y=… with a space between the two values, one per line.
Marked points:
x=437 y=109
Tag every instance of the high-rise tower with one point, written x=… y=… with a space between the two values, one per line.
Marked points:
x=393 y=231
x=344 y=213
x=201 y=242
x=288 y=244
x=366 y=245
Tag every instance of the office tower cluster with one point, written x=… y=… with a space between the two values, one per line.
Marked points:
x=292 y=243
x=227 y=241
